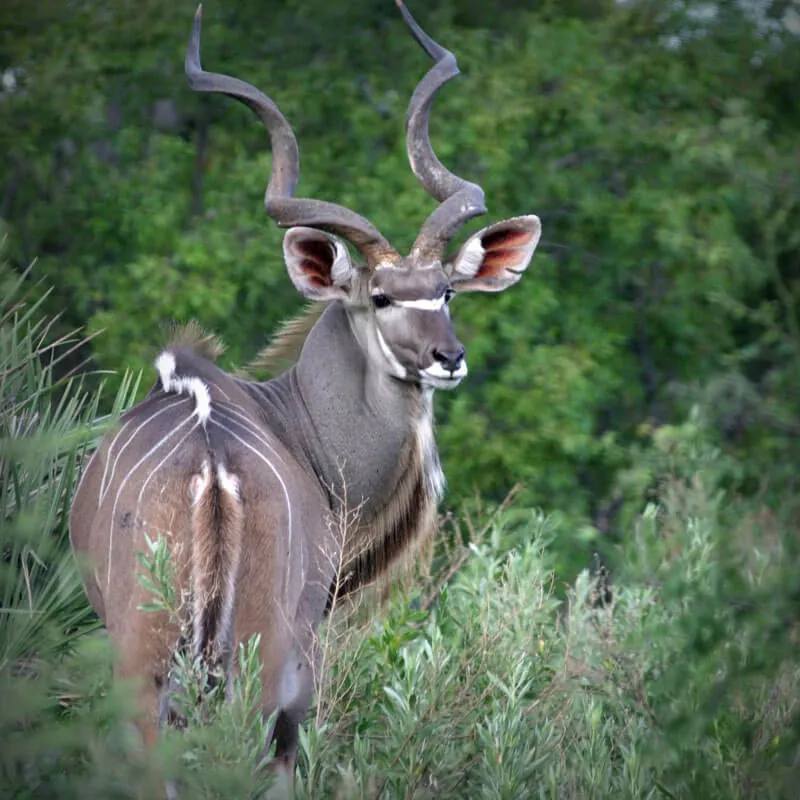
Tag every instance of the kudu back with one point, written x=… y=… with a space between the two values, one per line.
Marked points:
x=248 y=482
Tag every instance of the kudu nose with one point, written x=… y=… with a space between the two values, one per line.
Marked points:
x=450 y=359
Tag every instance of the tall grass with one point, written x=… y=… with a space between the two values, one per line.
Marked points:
x=58 y=713
x=481 y=682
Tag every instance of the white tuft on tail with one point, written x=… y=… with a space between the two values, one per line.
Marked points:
x=170 y=382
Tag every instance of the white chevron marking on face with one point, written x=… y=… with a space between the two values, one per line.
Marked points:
x=398 y=369
x=436 y=304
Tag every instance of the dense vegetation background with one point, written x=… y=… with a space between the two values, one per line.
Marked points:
x=640 y=384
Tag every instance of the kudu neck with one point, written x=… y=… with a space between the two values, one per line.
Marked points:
x=360 y=418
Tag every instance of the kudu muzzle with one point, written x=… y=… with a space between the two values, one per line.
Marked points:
x=446 y=356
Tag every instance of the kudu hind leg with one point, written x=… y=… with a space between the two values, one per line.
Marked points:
x=145 y=671
x=297 y=686
x=144 y=649
x=148 y=692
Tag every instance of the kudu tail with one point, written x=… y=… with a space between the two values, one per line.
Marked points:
x=217 y=521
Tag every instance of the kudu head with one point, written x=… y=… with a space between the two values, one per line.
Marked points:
x=398 y=306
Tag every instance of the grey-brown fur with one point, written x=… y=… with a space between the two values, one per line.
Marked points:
x=322 y=450
x=216 y=542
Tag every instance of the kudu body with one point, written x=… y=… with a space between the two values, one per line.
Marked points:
x=248 y=482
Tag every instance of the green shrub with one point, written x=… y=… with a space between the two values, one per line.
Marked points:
x=61 y=725
x=685 y=685
x=491 y=679
x=66 y=728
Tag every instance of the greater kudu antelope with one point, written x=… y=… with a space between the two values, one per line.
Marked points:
x=244 y=478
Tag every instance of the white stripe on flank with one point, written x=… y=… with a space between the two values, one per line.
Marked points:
x=237 y=417
x=161 y=464
x=108 y=461
x=133 y=469
x=221 y=391
x=133 y=436
x=219 y=424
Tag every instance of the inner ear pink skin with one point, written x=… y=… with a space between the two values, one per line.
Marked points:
x=505 y=239
x=315 y=279
x=316 y=262
x=498 y=260
x=502 y=250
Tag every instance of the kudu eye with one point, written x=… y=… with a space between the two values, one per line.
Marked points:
x=381 y=301
x=449 y=294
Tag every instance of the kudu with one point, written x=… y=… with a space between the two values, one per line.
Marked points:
x=245 y=479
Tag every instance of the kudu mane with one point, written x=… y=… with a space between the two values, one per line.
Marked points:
x=282 y=351
x=286 y=343
x=193 y=336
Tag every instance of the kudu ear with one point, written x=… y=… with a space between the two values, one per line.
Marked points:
x=495 y=258
x=318 y=263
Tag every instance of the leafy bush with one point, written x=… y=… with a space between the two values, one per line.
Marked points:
x=657 y=139
x=490 y=679
x=684 y=685
x=66 y=727
x=59 y=721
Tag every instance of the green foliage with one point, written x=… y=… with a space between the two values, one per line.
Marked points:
x=484 y=682
x=59 y=721
x=641 y=383
x=685 y=685
x=655 y=139
x=157 y=577
x=66 y=727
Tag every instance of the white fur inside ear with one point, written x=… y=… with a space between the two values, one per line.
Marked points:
x=320 y=281
x=470 y=258
x=495 y=258
x=342 y=269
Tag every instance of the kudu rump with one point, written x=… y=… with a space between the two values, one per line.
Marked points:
x=246 y=480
